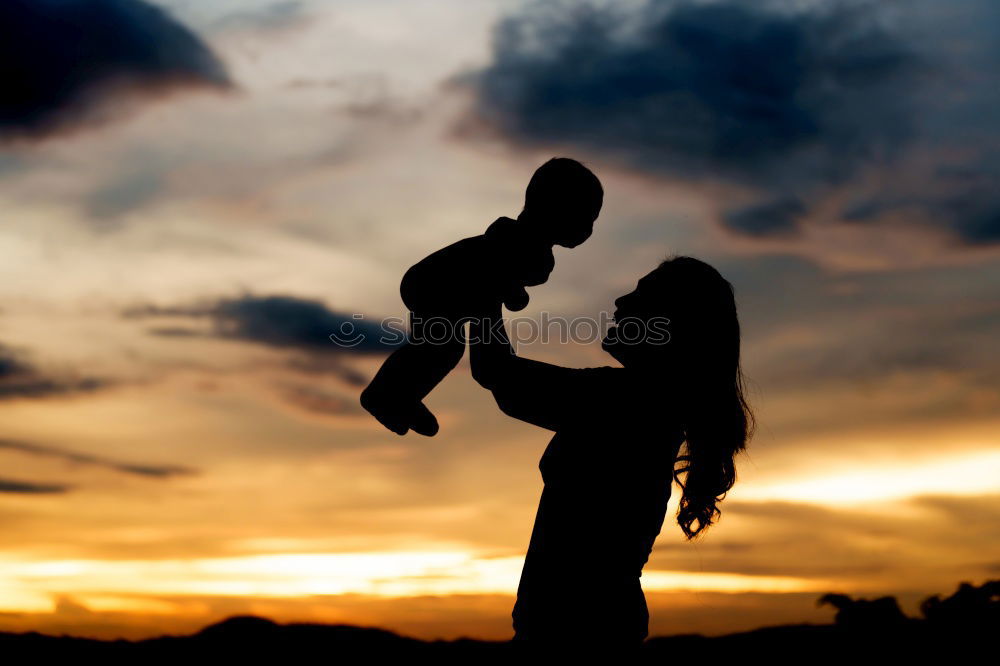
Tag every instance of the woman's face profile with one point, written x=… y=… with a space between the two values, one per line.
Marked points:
x=641 y=326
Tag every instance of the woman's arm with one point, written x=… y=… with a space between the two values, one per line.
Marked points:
x=490 y=354
x=546 y=395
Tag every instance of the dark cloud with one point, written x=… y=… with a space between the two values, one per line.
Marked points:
x=735 y=87
x=148 y=310
x=796 y=100
x=284 y=321
x=776 y=292
x=288 y=321
x=149 y=471
x=45 y=387
x=779 y=217
x=878 y=339
x=176 y=332
x=291 y=323
x=319 y=401
x=328 y=364
x=275 y=16
x=21 y=379
x=60 y=58
x=136 y=189
x=969 y=204
x=307 y=327
x=958 y=183
x=29 y=488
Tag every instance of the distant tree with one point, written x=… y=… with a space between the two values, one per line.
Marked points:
x=970 y=607
x=864 y=613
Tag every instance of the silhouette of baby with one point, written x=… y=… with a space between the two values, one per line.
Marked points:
x=463 y=280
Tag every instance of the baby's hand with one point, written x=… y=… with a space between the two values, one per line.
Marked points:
x=516 y=299
x=523 y=260
x=534 y=264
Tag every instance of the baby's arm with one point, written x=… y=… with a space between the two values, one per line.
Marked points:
x=464 y=277
x=517 y=259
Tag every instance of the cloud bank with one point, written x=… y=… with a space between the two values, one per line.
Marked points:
x=21 y=379
x=62 y=59
x=29 y=488
x=282 y=321
x=135 y=469
x=794 y=102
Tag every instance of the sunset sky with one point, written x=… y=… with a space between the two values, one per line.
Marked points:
x=195 y=193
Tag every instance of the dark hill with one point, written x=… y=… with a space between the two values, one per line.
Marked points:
x=257 y=640
x=960 y=629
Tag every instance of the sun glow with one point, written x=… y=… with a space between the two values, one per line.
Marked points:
x=972 y=474
x=115 y=585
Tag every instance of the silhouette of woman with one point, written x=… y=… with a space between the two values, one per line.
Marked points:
x=607 y=472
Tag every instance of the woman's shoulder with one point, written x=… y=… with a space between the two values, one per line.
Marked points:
x=607 y=387
x=610 y=371
x=603 y=375
x=612 y=374
x=630 y=395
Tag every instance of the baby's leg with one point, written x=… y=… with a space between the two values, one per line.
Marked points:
x=386 y=397
x=439 y=344
x=395 y=394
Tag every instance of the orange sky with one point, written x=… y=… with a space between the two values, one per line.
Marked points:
x=156 y=476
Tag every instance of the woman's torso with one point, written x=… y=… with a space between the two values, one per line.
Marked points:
x=605 y=492
x=607 y=481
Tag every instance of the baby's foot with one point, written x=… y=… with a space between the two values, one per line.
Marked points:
x=399 y=415
x=387 y=410
x=422 y=421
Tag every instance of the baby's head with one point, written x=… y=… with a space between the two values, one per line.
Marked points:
x=563 y=198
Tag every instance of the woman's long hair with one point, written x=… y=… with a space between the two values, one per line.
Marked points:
x=717 y=421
